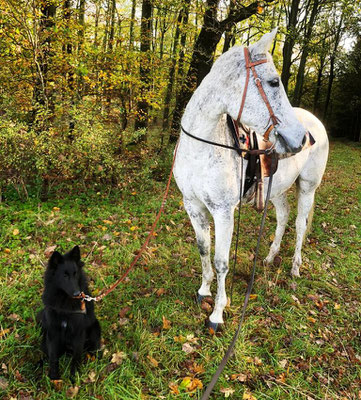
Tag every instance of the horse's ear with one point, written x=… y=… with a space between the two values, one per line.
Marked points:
x=264 y=44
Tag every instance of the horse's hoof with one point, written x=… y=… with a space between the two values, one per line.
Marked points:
x=213 y=327
x=200 y=298
x=207 y=298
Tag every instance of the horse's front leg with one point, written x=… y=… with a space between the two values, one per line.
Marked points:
x=198 y=215
x=223 y=222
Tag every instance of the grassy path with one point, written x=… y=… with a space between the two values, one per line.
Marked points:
x=301 y=339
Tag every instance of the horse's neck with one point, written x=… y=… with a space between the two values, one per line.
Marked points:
x=202 y=114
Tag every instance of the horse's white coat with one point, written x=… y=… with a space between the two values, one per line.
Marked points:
x=209 y=176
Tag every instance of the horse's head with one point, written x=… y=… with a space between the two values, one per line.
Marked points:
x=231 y=68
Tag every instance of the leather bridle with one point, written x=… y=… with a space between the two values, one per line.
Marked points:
x=250 y=66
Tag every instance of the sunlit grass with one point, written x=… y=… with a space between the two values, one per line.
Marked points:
x=301 y=336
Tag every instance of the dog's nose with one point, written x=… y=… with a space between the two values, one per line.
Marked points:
x=76 y=293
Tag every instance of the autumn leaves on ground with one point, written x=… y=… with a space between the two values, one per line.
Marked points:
x=301 y=338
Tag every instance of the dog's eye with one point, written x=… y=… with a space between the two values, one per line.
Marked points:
x=66 y=274
x=274 y=82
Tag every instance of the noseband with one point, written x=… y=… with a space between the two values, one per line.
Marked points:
x=250 y=66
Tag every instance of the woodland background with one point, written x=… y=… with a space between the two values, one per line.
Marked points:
x=86 y=83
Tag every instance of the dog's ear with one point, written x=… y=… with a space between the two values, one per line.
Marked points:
x=55 y=259
x=74 y=254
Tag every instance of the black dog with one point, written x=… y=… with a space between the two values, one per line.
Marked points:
x=68 y=324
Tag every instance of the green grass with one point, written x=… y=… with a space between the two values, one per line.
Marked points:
x=301 y=336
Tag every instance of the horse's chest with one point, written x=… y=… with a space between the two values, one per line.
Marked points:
x=209 y=176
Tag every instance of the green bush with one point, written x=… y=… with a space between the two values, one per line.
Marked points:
x=89 y=154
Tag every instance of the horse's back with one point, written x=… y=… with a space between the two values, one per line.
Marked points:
x=318 y=153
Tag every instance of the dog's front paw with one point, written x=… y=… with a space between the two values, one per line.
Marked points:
x=58 y=383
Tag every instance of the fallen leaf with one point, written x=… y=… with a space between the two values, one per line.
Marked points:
x=160 y=292
x=311 y=319
x=294 y=298
x=253 y=296
x=195 y=384
x=3 y=383
x=257 y=361
x=179 y=339
x=7 y=251
x=14 y=317
x=4 y=368
x=239 y=377
x=123 y=321
x=56 y=208
x=283 y=363
x=72 y=391
x=191 y=384
x=187 y=348
x=16 y=232
x=173 y=388
x=248 y=396
x=92 y=376
x=337 y=306
x=124 y=311
x=227 y=391
x=198 y=368
x=117 y=358
x=153 y=361
x=3 y=332
x=281 y=378
x=166 y=323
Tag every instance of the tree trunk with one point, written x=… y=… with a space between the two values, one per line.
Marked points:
x=301 y=69
x=145 y=64
x=289 y=43
x=42 y=96
x=203 y=52
x=131 y=27
x=318 y=85
x=169 y=91
x=332 y=67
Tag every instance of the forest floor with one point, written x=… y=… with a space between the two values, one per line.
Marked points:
x=301 y=337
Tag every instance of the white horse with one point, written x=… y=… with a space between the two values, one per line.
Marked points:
x=209 y=176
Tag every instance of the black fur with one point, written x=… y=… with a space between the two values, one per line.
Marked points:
x=65 y=329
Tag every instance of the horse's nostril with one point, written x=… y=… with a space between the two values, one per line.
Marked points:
x=304 y=140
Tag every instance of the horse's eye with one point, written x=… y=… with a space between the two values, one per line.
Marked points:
x=274 y=82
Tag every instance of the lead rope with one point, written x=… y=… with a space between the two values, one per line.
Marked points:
x=230 y=349
x=238 y=227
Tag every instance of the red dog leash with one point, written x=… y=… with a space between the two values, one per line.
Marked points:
x=85 y=297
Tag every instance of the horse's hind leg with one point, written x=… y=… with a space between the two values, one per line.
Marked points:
x=306 y=196
x=198 y=215
x=282 y=213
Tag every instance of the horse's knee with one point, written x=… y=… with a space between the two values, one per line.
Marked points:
x=221 y=266
x=203 y=248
